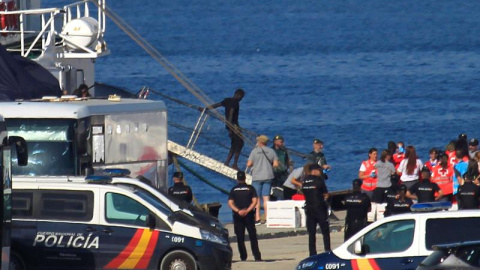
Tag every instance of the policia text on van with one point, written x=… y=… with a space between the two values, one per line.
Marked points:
x=99 y=225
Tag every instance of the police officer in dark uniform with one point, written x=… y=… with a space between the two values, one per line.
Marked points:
x=242 y=200
x=392 y=193
x=400 y=205
x=316 y=208
x=468 y=194
x=424 y=190
x=179 y=190
x=358 y=205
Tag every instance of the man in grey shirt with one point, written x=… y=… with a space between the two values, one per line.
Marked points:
x=262 y=159
x=385 y=170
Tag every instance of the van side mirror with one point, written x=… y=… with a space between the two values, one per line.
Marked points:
x=21 y=149
x=150 y=221
x=359 y=248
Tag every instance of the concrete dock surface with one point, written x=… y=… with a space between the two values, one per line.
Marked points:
x=283 y=248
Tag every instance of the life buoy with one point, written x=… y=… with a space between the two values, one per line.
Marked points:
x=12 y=20
x=3 y=18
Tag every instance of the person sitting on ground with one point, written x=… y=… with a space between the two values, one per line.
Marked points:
x=82 y=91
x=179 y=190
x=424 y=191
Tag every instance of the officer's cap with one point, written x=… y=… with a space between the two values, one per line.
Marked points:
x=315 y=166
x=317 y=141
x=178 y=175
x=241 y=176
x=425 y=169
x=357 y=183
x=278 y=137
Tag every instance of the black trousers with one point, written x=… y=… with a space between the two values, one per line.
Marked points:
x=239 y=226
x=352 y=227
x=317 y=215
x=288 y=193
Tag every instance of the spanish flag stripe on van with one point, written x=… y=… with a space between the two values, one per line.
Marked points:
x=138 y=252
x=115 y=263
x=143 y=263
x=365 y=264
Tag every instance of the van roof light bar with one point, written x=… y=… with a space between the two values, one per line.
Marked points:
x=98 y=179
x=116 y=172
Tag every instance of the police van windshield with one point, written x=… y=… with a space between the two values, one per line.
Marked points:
x=147 y=196
x=50 y=146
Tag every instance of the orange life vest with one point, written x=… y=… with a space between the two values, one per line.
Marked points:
x=443 y=178
x=369 y=183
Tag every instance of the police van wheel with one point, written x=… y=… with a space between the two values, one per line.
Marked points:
x=16 y=263
x=178 y=260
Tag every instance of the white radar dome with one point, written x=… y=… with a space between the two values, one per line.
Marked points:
x=80 y=32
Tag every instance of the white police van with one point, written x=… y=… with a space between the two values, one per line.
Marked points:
x=399 y=241
x=100 y=225
x=171 y=202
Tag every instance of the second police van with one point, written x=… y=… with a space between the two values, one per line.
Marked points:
x=399 y=241
x=100 y=225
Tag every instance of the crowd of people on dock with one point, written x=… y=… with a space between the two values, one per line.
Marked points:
x=398 y=179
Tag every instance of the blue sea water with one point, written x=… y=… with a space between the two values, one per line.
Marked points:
x=353 y=73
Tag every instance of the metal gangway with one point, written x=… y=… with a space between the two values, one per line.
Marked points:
x=204 y=161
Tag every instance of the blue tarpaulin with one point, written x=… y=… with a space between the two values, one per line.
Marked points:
x=22 y=78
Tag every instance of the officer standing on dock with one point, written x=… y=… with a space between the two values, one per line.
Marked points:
x=400 y=205
x=358 y=205
x=468 y=194
x=242 y=200
x=424 y=191
x=316 y=208
x=179 y=190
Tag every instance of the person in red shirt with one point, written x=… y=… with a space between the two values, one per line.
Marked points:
x=399 y=155
x=367 y=173
x=442 y=175
x=432 y=162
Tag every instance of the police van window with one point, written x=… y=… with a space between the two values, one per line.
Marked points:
x=121 y=209
x=395 y=236
x=22 y=204
x=448 y=230
x=147 y=196
x=66 y=205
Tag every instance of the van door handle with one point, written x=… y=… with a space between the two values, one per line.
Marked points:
x=107 y=230
x=406 y=261
x=90 y=229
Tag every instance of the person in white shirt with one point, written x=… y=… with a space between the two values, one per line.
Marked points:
x=410 y=167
